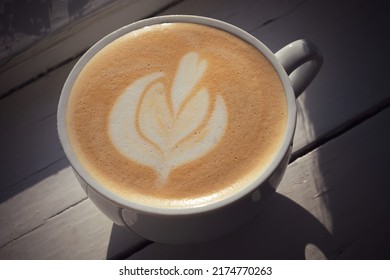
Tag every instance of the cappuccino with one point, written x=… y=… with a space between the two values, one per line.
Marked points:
x=176 y=115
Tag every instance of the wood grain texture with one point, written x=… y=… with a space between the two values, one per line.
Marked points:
x=332 y=203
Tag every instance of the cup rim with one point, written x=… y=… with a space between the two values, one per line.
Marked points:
x=227 y=27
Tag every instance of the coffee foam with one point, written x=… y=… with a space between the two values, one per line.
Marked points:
x=129 y=121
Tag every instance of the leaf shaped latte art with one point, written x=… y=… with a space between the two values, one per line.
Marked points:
x=164 y=130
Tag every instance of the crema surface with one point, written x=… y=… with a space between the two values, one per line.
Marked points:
x=176 y=115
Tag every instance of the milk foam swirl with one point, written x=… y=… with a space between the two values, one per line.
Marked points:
x=164 y=130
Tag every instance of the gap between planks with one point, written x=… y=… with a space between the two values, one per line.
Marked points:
x=341 y=129
x=44 y=222
x=293 y=9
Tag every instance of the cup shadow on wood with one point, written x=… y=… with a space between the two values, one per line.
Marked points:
x=281 y=230
x=352 y=158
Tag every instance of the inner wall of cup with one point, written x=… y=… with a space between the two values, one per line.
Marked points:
x=287 y=139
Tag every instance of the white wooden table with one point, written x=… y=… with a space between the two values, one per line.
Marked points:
x=334 y=201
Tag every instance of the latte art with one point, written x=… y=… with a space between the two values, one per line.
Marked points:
x=163 y=128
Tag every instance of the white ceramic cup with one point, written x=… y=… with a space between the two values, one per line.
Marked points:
x=296 y=64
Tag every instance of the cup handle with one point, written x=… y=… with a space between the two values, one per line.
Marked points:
x=302 y=60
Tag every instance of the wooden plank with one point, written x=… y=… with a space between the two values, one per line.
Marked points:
x=25 y=23
x=248 y=14
x=332 y=203
x=33 y=201
x=79 y=36
x=28 y=151
x=80 y=232
x=28 y=128
x=34 y=102
x=29 y=209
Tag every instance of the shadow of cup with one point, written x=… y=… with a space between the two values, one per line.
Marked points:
x=281 y=230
